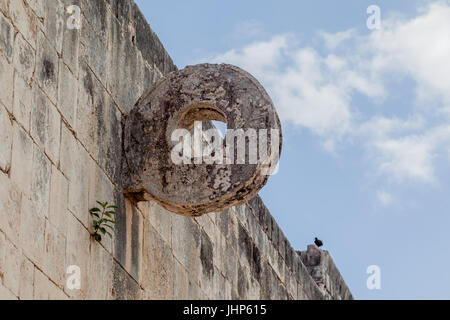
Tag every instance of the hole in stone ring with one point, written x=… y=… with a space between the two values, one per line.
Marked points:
x=200 y=111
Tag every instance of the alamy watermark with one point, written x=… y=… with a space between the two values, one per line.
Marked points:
x=74 y=20
x=374 y=20
x=374 y=280
x=73 y=281
x=207 y=147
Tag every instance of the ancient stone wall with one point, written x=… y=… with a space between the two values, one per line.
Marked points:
x=63 y=93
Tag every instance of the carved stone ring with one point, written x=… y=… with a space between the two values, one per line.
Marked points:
x=191 y=96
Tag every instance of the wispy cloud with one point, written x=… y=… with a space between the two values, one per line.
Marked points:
x=384 y=198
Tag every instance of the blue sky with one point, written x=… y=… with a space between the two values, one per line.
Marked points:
x=365 y=114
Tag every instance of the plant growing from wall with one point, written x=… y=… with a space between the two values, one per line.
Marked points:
x=103 y=220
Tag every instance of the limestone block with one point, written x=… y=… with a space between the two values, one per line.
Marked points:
x=32 y=233
x=291 y=285
x=26 y=280
x=157 y=266
x=186 y=245
x=12 y=261
x=46 y=125
x=95 y=52
x=38 y=9
x=71 y=41
x=122 y=10
x=6 y=82
x=77 y=253
x=22 y=157
x=55 y=247
x=47 y=67
x=126 y=84
x=5 y=294
x=40 y=182
x=230 y=263
x=180 y=283
x=128 y=236
x=124 y=287
x=219 y=285
x=6 y=38
x=100 y=274
x=92 y=112
x=44 y=289
x=97 y=15
x=4 y=7
x=54 y=23
x=110 y=147
x=23 y=102
x=207 y=225
x=194 y=289
x=245 y=247
x=10 y=198
x=67 y=94
x=6 y=137
x=280 y=268
x=75 y=164
x=220 y=242
x=24 y=20
x=59 y=193
x=199 y=93
x=207 y=263
x=24 y=58
x=161 y=220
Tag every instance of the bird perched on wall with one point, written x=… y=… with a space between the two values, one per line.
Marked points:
x=318 y=242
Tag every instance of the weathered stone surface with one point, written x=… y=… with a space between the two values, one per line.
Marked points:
x=44 y=289
x=40 y=182
x=158 y=264
x=75 y=85
x=124 y=287
x=186 y=242
x=71 y=41
x=6 y=82
x=47 y=67
x=10 y=199
x=4 y=7
x=55 y=254
x=75 y=164
x=55 y=23
x=24 y=58
x=24 y=20
x=59 y=194
x=77 y=253
x=6 y=38
x=101 y=273
x=324 y=272
x=67 y=94
x=200 y=93
x=23 y=102
x=26 y=280
x=12 y=260
x=6 y=134
x=46 y=125
x=32 y=232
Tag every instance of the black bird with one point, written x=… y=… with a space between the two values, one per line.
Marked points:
x=318 y=242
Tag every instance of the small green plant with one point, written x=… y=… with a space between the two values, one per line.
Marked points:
x=103 y=218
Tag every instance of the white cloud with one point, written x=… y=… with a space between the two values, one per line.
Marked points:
x=384 y=197
x=333 y=40
x=316 y=91
x=418 y=47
